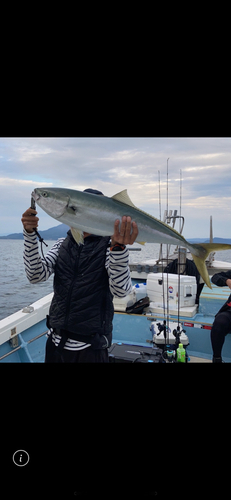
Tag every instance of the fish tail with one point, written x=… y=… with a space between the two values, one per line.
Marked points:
x=200 y=253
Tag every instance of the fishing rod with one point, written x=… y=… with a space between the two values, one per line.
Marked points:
x=178 y=330
x=162 y=327
x=178 y=269
x=33 y=206
x=165 y=327
x=167 y=265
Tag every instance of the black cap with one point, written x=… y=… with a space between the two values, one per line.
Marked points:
x=92 y=191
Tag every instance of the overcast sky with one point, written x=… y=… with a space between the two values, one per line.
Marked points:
x=114 y=164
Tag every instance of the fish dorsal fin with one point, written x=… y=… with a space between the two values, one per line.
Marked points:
x=124 y=198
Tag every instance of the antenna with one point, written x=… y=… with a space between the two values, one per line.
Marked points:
x=167 y=186
x=159 y=194
x=211 y=228
x=180 y=190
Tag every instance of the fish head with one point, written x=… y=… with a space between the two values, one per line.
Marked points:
x=79 y=210
x=53 y=201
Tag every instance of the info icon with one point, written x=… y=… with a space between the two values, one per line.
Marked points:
x=21 y=458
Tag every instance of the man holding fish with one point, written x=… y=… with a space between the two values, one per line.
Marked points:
x=88 y=271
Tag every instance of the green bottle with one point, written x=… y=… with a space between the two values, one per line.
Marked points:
x=180 y=354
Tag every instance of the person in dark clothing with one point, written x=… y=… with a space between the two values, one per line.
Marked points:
x=87 y=275
x=222 y=323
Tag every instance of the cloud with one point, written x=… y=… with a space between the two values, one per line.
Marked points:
x=122 y=155
x=114 y=164
x=26 y=154
x=7 y=181
x=200 y=168
x=25 y=150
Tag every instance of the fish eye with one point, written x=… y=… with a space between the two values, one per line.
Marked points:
x=44 y=194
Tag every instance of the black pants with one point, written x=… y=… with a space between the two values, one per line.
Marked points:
x=87 y=355
x=221 y=327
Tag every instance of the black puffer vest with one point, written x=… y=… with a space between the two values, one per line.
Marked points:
x=82 y=303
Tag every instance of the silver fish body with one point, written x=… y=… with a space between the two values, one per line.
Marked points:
x=96 y=214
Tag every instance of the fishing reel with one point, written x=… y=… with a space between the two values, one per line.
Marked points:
x=177 y=333
x=162 y=328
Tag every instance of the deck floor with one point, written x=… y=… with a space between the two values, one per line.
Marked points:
x=194 y=359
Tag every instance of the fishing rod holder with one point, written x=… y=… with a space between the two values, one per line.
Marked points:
x=168 y=217
x=181 y=262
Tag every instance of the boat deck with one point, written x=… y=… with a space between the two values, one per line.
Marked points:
x=23 y=335
x=195 y=359
x=27 y=352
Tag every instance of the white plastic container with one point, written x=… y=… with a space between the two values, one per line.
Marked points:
x=122 y=304
x=141 y=290
x=188 y=289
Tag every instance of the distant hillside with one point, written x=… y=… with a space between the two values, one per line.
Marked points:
x=50 y=234
x=61 y=231
x=215 y=240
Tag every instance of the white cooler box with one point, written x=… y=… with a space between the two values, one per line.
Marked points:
x=186 y=312
x=188 y=289
x=159 y=339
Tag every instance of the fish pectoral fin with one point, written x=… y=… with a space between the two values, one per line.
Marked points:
x=77 y=235
x=123 y=198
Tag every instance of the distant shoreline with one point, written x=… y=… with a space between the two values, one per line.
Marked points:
x=49 y=234
x=61 y=230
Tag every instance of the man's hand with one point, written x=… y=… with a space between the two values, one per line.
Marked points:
x=127 y=234
x=29 y=221
x=228 y=283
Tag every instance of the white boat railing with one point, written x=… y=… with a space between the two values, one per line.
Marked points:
x=20 y=321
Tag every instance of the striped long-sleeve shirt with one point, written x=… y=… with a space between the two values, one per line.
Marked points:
x=39 y=269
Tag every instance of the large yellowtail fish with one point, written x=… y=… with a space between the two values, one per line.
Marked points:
x=96 y=214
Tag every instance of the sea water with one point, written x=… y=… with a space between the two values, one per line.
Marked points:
x=17 y=292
